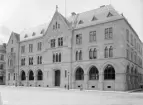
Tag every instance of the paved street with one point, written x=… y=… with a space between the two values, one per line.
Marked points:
x=45 y=96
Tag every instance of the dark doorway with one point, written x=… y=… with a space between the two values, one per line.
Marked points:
x=57 y=78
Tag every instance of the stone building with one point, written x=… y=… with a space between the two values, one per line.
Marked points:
x=97 y=49
x=2 y=63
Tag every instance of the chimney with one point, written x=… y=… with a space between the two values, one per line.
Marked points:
x=102 y=6
x=73 y=13
x=4 y=45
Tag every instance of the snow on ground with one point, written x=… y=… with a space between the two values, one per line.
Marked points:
x=48 y=96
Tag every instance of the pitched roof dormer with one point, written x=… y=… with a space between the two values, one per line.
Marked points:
x=94 y=18
x=80 y=22
x=109 y=14
x=25 y=36
x=33 y=34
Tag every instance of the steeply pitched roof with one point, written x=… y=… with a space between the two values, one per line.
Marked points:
x=27 y=34
x=100 y=14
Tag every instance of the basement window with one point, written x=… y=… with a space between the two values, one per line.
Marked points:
x=108 y=86
x=93 y=86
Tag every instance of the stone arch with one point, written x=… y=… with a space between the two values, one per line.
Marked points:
x=31 y=75
x=109 y=72
x=93 y=73
x=102 y=68
x=39 y=74
x=79 y=74
x=23 y=75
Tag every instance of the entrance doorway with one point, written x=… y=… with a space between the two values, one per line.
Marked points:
x=57 y=78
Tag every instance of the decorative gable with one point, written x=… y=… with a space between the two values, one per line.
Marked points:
x=109 y=14
x=94 y=18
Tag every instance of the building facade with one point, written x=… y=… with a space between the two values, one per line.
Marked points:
x=97 y=49
x=2 y=63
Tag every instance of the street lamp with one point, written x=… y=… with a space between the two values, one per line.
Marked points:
x=68 y=80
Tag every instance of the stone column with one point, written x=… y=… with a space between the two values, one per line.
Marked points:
x=101 y=76
x=27 y=80
x=86 y=81
x=35 y=80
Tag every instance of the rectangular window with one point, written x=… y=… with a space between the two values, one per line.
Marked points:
x=127 y=35
x=60 y=41
x=30 y=47
x=52 y=43
x=92 y=36
x=22 y=49
x=14 y=76
x=11 y=49
x=127 y=53
x=1 y=57
x=79 y=39
x=65 y=73
x=8 y=76
x=109 y=33
x=30 y=60
x=131 y=39
x=39 y=47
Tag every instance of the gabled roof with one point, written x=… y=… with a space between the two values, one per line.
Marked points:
x=100 y=14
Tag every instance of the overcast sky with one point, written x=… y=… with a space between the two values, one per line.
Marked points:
x=17 y=15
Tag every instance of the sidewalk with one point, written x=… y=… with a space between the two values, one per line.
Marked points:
x=130 y=91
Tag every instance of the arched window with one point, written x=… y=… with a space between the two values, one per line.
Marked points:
x=111 y=51
x=109 y=73
x=39 y=75
x=95 y=53
x=23 y=76
x=57 y=57
x=53 y=57
x=90 y=54
x=76 y=57
x=80 y=55
x=106 y=52
x=31 y=75
x=93 y=73
x=79 y=75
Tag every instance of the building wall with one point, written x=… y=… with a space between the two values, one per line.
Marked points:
x=2 y=64
x=68 y=63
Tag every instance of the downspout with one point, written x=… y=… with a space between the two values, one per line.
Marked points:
x=18 y=82
x=71 y=74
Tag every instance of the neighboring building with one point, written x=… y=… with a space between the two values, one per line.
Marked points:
x=97 y=49
x=2 y=63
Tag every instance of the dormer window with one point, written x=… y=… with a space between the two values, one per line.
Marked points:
x=42 y=31
x=109 y=14
x=25 y=36
x=94 y=18
x=33 y=34
x=80 y=22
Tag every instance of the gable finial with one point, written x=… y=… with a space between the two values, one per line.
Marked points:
x=56 y=7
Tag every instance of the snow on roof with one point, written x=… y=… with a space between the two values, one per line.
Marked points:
x=34 y=32
x=101 y=14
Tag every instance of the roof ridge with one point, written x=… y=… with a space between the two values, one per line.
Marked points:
x=106 y=6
